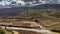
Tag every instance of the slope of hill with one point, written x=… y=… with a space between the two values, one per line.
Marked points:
x=17 y=10
x=47 y=15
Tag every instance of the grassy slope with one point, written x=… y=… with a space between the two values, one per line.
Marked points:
x=5 y=31
x=49 y=18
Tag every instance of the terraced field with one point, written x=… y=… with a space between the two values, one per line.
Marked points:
x=51 y=24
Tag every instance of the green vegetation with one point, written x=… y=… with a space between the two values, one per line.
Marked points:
x=6 y=31
x=10 y=30
x=2 y=31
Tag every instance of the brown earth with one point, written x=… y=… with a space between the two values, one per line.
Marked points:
x=31 y=32
x=27 y=32
x=15 y=32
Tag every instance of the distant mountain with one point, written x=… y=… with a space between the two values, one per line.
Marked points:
x=15 y=11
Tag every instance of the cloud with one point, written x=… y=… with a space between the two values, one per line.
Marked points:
x=18 y=3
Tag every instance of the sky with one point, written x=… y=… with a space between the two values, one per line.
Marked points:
x=17 y=3
x=24 y=2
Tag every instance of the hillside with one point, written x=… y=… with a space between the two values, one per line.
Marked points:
x=49 y=18
x=15 y=11
x=7 y=31
x=45 y=15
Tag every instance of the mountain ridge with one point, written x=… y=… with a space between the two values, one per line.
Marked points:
x=16 y=10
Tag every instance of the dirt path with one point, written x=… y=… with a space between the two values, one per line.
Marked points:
x=55 y=33
x=15 y=32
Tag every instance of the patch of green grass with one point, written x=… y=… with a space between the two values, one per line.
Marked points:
x=10 y=30
x=2 y=31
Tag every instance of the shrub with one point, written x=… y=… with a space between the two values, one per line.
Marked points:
x=2 y=31
x=10 y=30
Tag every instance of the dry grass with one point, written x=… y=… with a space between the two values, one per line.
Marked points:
x=53 y=23
x=55 y=33
x=27 y=32
x=15 y=32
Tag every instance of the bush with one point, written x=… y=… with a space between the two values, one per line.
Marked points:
x=2 y=31
x=10 y=30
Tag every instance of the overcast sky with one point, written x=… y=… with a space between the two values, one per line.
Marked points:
x=3 y=2
x=6 y=3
